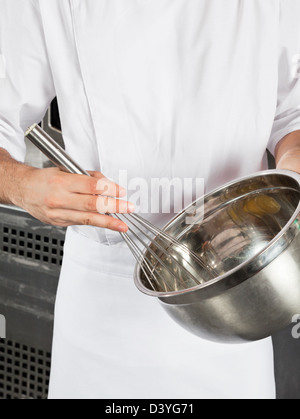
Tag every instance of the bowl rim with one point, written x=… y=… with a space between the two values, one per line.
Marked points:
x=163 y=295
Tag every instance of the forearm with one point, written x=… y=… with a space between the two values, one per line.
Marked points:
x=62 y=199
x=12 y=174
x=288 y=152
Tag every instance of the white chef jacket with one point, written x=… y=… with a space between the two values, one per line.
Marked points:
x=159 y=88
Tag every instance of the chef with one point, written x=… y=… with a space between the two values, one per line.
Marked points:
x=159 y=89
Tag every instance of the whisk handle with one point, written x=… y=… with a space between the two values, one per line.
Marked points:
x=53 y=151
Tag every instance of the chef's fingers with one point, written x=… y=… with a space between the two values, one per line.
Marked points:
x=66 y=218
x=113 y=206
x=89 y=203
x=107 y=187
x=92 y=185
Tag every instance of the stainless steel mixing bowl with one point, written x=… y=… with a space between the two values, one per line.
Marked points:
x=250 y=238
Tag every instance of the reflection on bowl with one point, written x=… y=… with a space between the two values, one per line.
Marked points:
x=248 y=227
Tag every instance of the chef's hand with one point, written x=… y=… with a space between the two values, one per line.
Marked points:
x=64 y=199
x=288 y=152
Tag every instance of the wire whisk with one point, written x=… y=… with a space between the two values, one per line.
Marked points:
x=167 y=264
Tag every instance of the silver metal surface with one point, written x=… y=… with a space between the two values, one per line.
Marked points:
x=30 y=262
x=250 y=236
x=51 y=125
x=167 y=252
x=53 y=151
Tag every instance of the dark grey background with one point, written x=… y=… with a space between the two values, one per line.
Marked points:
x=287 y=355
x=287 y=364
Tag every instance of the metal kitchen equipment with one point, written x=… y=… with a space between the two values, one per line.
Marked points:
x=30 y=261
x=251 y=235
x=165 y=252
x=247 y=284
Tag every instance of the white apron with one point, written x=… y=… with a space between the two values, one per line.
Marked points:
x=159 y=88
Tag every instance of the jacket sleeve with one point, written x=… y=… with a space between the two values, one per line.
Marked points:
x=287 y=117
x=26 y=84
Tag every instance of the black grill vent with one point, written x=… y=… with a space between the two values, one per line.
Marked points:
x=33 y=246
x=24 y=371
